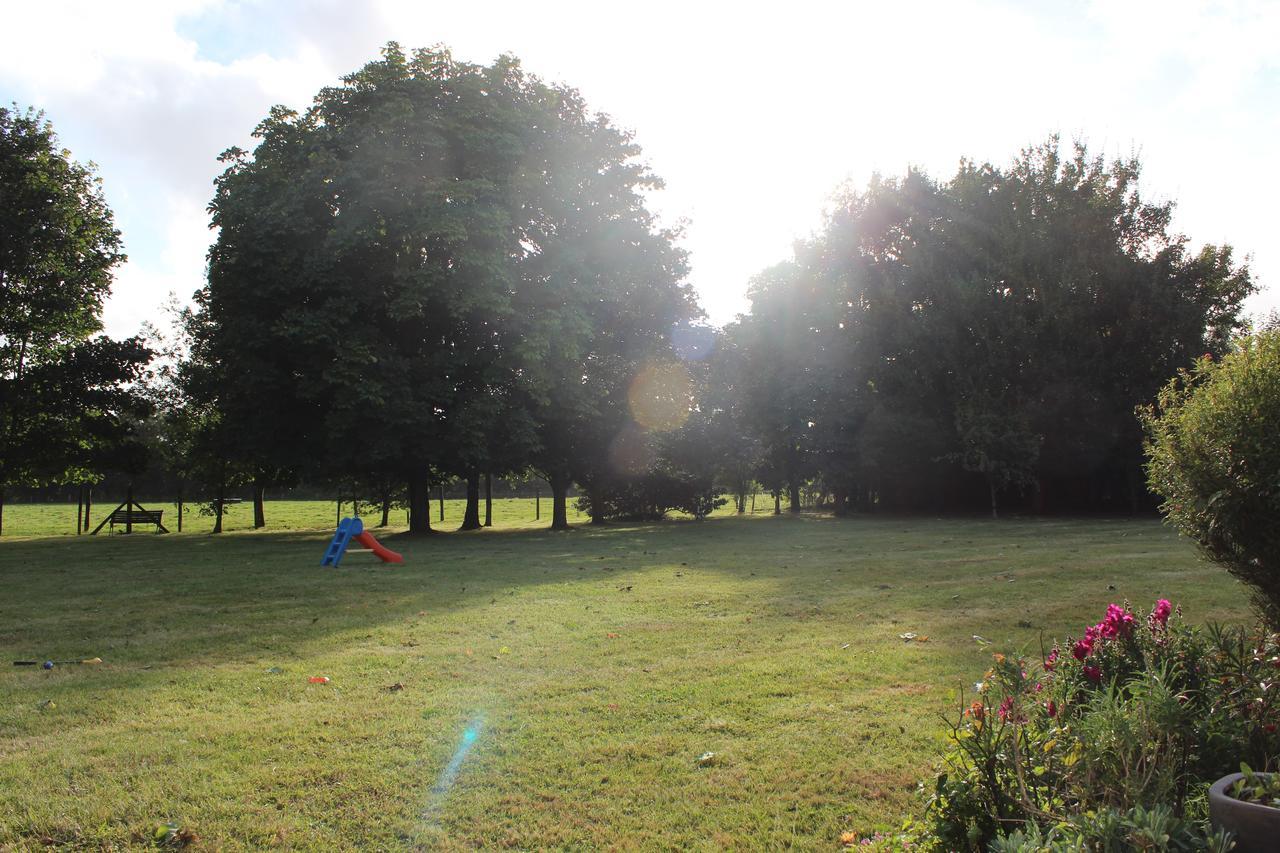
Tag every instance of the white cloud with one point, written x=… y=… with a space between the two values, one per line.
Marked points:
x=753 y=113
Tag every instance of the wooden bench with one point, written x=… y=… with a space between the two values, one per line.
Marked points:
x=130 y=517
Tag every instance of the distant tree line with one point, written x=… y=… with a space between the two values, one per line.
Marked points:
x=979 y=341
x=447 y=272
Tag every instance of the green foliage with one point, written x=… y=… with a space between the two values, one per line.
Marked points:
x=1214 y=458
x=996 y=328
x=58 y=242
x=439 y=269
x=64 y=397
x=997 y=443
x=1109 y=744
x=775 y=347
x=1156 y=829
x=650 y=496
x=1261 y=788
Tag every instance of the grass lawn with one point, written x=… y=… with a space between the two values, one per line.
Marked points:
x=557 y=689
x=60 y=519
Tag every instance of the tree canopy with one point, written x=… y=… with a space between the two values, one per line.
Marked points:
x=436 y=258
x=64 y=394
x=991 y=333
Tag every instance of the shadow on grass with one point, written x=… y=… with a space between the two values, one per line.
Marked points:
x=65 y=596
x=154 y=606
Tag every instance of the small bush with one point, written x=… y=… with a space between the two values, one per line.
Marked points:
x=650 y=496
x=1213 y=455
x=1108 y=742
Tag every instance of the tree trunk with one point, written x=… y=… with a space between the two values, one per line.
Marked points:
x=742 y=502
x=488 y=500
x=80 y=509
x=259 y=512
x=840 y=503
x=559 y=493
x=777 y=503
x=386 y=509
x=471 y=516
x=179 y=509
x=419 y=504
x=992 y=486
x=88 y=505
x=794 y=496
x=442 y=502
x=217 y=514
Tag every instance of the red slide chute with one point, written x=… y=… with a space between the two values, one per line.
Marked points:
x=382 y=552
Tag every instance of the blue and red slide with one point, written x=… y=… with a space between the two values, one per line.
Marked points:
x=353 y=528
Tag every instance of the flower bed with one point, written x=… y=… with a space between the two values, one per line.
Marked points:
x=1107 y=741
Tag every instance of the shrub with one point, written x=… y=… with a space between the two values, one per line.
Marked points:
x=1214 y=457
x=1109 y=741
x=1137 y=829
x=648 y=497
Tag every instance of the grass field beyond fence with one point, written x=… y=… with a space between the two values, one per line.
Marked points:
x=518 y=688
x=40 y=519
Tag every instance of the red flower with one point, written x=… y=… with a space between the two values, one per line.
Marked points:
x=1092 y=673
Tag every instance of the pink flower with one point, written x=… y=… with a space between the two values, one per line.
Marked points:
x=1082 y=648
x=1119 y=621
x=1005 y=707
x=1092 y=673
x=1161 y=614
x=1051 y=708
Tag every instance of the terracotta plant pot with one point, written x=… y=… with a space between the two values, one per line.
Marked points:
x=1255 y=827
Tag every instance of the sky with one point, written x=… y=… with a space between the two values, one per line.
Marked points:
x=755 y=114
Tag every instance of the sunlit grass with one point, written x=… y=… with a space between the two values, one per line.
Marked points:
x=592 y=670
x=26 y=519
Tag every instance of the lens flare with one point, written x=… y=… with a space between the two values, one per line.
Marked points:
x=660 y=395
x=449 y=774
x=629 y=452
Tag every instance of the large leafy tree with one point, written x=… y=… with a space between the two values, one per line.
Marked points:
x=362 y=269
x=599 y=289
x=962 y=342
x=64 y=391
x=440 y=269
x=779 y=350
